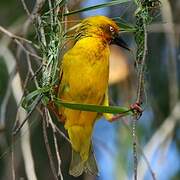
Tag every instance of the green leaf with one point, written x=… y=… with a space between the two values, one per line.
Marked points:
x=59 y=3
x=45 y=100
x=26 y=100
x=35 y=102
x=124 y=26
x=94 y=108
x=98 y=6
x=73 y=28
x=36 y=92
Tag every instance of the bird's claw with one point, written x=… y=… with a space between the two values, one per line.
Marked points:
x=137 y=109
x=54 y=109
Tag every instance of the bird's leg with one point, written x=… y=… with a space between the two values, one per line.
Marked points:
x=116 y=117
x=136 y=108
x=54 y=109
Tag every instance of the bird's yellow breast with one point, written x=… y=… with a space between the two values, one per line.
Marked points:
x=85 y=75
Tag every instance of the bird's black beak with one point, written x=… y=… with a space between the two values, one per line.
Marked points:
x=119 y=41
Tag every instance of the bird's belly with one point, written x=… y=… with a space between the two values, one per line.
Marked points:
x=87 y=85
x=85 y=80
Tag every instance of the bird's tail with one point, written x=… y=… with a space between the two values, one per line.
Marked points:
x=78 y=166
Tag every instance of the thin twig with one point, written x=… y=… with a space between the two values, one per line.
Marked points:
x=141 y=150
x=12 y=36
x=12 y=159
x=6 y=99
x=65 y=18
x=134 y=147
x=31 y=70
x=25 y=140
x=57 y=129
x=17 y=40
x=41 y=34
x=25 y=83
x=26 y=146
x=32 y=15
x=48 y=147
x=17 y=129
x=16 y=141
x=140 y=94
x=17 y=91
x=51 y=14
x=140 y=88
x=27 y=51
x=55 y=143
x=25 y=8
x=62 y=134
x=29 y=79
x=37 y=72
x=58 y=156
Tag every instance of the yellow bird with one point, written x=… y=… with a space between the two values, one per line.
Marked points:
x=84 y=79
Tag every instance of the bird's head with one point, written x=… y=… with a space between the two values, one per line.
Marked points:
x=104 y=28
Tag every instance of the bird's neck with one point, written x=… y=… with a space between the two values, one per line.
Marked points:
x=91 y=40
x=92 y=43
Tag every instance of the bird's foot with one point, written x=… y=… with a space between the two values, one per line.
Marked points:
x=137 y=109
x=54 y=109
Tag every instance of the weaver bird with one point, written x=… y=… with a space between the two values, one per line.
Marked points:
x=84 y=73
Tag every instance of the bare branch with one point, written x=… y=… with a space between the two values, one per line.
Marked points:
x=25 y=141
x=5 y=101
x=22 y=123
x=144 y=157
x=17 y=40
x=49 y=121
x=33 y=15
x=45 y=119
x=12 y=160
x=31 y=70
x=140 y=89
x=8 y=33
x=25 y=8
x=26 y=50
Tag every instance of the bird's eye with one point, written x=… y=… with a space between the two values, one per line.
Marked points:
x=111 y=29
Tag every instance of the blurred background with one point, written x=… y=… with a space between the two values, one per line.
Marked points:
x=157 y=130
